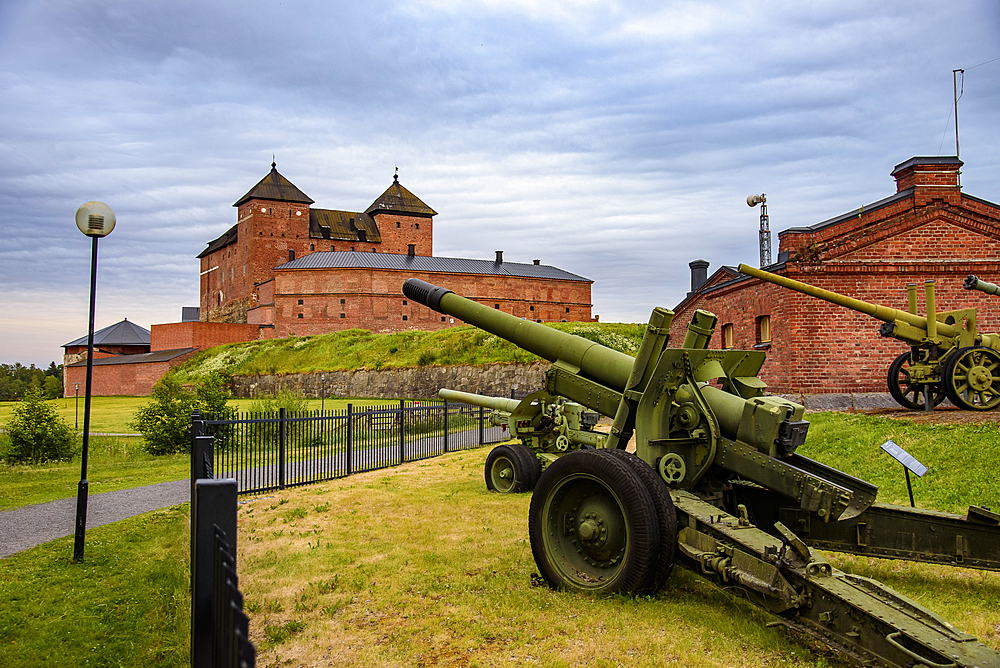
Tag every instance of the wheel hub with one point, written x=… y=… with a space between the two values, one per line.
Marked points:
x=980 y=378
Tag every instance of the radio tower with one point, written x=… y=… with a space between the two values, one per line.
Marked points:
x=765 y=230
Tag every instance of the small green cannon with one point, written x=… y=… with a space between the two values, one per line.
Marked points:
x=546 y=429
x=717 y=487
x=947 y=356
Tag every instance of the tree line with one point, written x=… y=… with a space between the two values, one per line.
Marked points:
x=16 y=379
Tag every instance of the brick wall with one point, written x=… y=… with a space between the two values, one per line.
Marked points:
x=119 y=379
x=200 y=335
x=373 y=300
x=399 y=231
x=819 y=347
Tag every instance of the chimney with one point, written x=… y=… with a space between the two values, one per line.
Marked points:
x=499 y=257
x=411 y=249
x=536 y=262
x=699 y=274
x=931 y=178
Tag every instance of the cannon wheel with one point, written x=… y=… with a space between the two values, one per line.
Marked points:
x=532 y=467
x=972 y=378
x=907 y=394
x=593 y=526
x=507 y=472
x=666 y=516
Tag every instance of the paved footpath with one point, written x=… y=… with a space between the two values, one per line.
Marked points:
x=29 y=526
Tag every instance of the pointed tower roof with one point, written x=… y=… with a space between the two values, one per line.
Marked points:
x=122 y=333
x=275 y=187
x=397 y=199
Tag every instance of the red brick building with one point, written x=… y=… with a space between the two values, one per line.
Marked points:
x=929 y=229
x=291 y=268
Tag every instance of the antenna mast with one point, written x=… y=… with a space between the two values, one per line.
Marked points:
x=765 y=230
x=954 y=79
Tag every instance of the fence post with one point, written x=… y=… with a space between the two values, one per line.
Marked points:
x=446 y=425
x=402 y=430
x=282 y=425
x=350 y=437
x=213 y=504
x=481 y=434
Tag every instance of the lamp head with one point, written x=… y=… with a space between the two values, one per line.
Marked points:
x=754 y=200
x=95 y=219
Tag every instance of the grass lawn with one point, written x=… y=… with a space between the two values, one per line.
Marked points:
x=420 y=565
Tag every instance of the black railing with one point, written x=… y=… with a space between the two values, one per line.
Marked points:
x=219 y=627
x=267 y=451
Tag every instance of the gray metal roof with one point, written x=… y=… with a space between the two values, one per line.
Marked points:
x=122 y=333
x=902 y=194
x=444 y=265
x=140 y=358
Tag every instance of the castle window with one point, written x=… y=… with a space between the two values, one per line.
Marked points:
x=416 y=226
x=531 y=308
x=538 y=320
x=397 y=223
x=727 y=336
x=342 y=315
x=764 y=329
x=496 y=306
x=300 y=302
x=404 y=302
x=312 y=246
x=404 y=317
x=291 y=253
x=442 y=318
x=567 y=309
x=332 y=248
x=343 y=301
x=300 y=315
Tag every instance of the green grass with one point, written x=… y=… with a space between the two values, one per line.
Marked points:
x=127 y=604
x=419 y=565
x=108 y=415
x=360 y=349
x=114 y=462
x=963 y=459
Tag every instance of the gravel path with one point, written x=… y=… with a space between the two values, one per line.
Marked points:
x=26 y=527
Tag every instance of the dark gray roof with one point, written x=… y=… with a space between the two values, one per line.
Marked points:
x=902 y=194
x=122 y=333
x=275 y=187
x=229 y=237
x=445 y=265
x=141 y=358
x=932 y=160
x=343 y=226
x=397 y=199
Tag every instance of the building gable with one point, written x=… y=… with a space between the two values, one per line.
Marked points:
x=943 y=237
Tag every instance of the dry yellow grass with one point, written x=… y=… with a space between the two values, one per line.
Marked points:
x=421 y=566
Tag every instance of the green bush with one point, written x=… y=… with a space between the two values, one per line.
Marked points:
x=36 y=434
x=165 y=421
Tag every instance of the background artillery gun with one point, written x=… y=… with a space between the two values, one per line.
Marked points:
x=717 y=486
x=947 y=356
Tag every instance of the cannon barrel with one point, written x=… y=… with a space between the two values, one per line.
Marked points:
x=599 y=363
x=493 y=403
x=975 y=283
x=883 y=313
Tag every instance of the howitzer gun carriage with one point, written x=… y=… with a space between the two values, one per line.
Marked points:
x=948 y=357
x=716 y=485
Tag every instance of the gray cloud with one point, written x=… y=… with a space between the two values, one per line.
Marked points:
x=615 y=140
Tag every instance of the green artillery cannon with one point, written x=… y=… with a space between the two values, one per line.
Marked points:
x=947 y=356
x=546 y=429
x=974 y=283
x=716 y=486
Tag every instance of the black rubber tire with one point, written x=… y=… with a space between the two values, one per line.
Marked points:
x=666 y=515
x=982 y=394
x=585 y=492
x=506 y=471
x=532 y=467
x=906 y=394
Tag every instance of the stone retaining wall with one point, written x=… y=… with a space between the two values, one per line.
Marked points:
x=420 y=382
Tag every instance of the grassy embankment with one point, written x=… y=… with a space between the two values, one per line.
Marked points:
x=419 y=565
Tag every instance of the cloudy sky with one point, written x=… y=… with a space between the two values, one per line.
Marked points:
x=616 y=140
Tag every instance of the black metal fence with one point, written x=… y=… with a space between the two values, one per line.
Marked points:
x=219 y=627
x=267 y=451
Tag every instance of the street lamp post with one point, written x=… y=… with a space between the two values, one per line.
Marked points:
x=77 y=405
x=95 y=220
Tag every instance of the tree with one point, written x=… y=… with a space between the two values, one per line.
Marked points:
x=52 y=387
x=36 y=433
